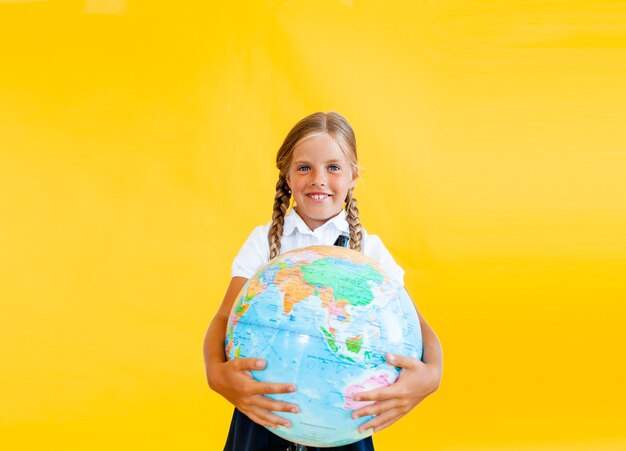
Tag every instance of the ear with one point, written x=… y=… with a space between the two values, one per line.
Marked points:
x=288 y=180
x=355 y=176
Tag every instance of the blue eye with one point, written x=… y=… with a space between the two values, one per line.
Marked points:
x=304 y=168
x=334 y=167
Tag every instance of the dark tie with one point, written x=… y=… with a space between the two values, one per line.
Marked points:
x=342 y=241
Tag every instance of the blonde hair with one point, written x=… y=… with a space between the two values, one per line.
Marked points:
x=338 y=128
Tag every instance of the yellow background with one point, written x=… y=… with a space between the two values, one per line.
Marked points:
x=136 y=154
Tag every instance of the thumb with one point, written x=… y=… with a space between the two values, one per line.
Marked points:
x=401 y=361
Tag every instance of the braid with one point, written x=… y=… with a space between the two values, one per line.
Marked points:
x=356 y=233
x=281 y=203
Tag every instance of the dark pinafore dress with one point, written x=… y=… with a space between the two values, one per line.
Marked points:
x=245 y=435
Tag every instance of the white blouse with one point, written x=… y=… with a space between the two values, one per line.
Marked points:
x=255 y=252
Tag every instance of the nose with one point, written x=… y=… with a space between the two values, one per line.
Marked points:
x=318 y=178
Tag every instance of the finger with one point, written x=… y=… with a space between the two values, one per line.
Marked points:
x=276 y=406
x=269 y=388
x=384 y=425
x=266 y=418
x=378 y=394
x=385 y=419
x=376 y=408
x=402 y=361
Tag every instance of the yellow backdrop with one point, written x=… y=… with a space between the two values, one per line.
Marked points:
x=136 y=153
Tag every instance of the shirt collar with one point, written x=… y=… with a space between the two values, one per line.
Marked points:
x=293 y=221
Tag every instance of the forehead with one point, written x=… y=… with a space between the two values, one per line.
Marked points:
x=320 y=147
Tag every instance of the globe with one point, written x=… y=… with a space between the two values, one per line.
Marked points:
x=323 y=318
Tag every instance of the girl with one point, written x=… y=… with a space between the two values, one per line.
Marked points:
x=317 y=166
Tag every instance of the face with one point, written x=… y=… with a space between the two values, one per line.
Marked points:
x=319 y=177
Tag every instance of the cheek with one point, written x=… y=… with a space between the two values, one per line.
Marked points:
x=296 y=184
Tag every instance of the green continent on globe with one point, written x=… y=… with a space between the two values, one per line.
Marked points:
x=328 y=273
x=354 y=343
x=330 y=339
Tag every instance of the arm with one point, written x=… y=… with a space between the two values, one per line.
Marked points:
x=232 y=378
x=417 y=380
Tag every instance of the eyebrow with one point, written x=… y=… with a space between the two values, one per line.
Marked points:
x=326 y=162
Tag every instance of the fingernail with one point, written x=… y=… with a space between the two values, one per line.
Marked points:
x=357 y=398
x=392 y=358
x=295 y=410
x=291 y=388
x=259 y=364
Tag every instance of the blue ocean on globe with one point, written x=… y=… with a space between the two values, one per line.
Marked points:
x=323 y=317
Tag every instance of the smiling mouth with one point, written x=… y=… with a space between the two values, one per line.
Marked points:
x=317 y=196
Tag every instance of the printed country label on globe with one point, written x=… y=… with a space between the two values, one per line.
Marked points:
x=323 y=317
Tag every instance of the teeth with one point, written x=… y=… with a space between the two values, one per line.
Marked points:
x=318 y=196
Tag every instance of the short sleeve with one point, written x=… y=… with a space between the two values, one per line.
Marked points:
x=375 y=248
x=254 y=253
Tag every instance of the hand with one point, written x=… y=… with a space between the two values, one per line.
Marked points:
x=416 y=381
x=232 y=379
